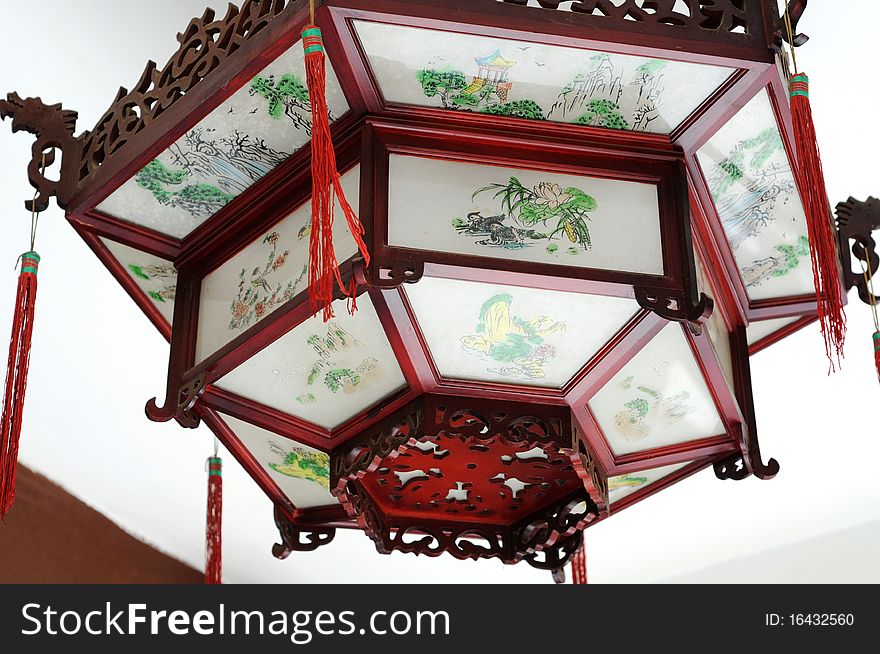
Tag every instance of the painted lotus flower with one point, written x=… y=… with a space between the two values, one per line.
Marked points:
x=563 y=211
x=551 y=194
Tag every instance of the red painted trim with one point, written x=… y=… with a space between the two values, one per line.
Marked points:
x=121 y=231
x=779 y=334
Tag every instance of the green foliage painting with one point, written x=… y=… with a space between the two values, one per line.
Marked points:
x=603 y=113
x=546 y=211
x=300 y=463
x=518 y=345
x=159 y=281
x=787 y=257
x=169 y=187
x=335 y=350
x=286 y=97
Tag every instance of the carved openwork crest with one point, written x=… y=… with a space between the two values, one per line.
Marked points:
x=472 y=478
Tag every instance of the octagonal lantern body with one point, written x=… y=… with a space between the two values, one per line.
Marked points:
x=584 y=220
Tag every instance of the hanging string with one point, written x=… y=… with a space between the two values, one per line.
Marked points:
x=311 y=12
x=790 y=29
x=35 y=215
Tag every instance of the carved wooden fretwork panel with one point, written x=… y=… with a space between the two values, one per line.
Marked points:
x=472 y=478
x=204 y=45
x=731 y=16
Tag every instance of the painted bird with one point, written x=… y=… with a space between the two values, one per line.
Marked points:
x=305 y=231
x=258 y=281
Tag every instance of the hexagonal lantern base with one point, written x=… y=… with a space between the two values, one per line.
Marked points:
x=474 y=478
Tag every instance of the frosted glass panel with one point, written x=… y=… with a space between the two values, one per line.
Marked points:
x=267 y=273
x=751 y=181
x=301 y=472
x=239 y=142
x=658 y=398
x=522 y=215
x=623 y=485
x=763 y=328
x=156 y=277
x=511 y=334
x=465 y=72
x=323 y=372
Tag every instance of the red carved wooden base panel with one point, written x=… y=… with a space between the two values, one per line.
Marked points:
x=473 y=478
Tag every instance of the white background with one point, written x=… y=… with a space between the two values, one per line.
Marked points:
x=96 y=360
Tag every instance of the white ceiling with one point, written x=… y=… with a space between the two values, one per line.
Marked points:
x=96 y=359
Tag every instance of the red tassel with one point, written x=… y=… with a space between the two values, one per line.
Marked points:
x=877 y=352
x=16 y=377
x=820 y=229
x=326 y=187
x=213 y=531
x=579 y=566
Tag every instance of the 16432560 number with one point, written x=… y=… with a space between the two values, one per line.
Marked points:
x=821 y=619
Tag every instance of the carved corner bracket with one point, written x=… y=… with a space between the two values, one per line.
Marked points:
x=676 y=307
x=298 y=538
x=555 y=558
x=54 y=128
x=740 y=465
x=856 y=221
x=183 y=409
x=391 y=272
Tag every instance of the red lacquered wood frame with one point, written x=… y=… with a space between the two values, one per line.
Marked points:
x=609 y=156
x=567 y=29
x=782 y=333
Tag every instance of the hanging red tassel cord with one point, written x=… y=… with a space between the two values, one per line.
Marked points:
x=16 y=377
x=820 y=228
x=326 y=189
x=579 y=566
x=877 y=353
x=213 y=531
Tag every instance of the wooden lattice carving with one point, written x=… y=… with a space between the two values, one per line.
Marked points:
x=731 y=16
x=204 y=45
x=471 y=478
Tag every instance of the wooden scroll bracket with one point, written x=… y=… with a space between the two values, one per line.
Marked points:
x=856 y=222
x=53 y=127
x=676 y=307
x=748 y=462
x=183 y=409
x=557 y=556
x=387 y=275
x=297 y=538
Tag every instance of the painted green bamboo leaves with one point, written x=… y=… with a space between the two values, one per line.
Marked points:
x=565 y=212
